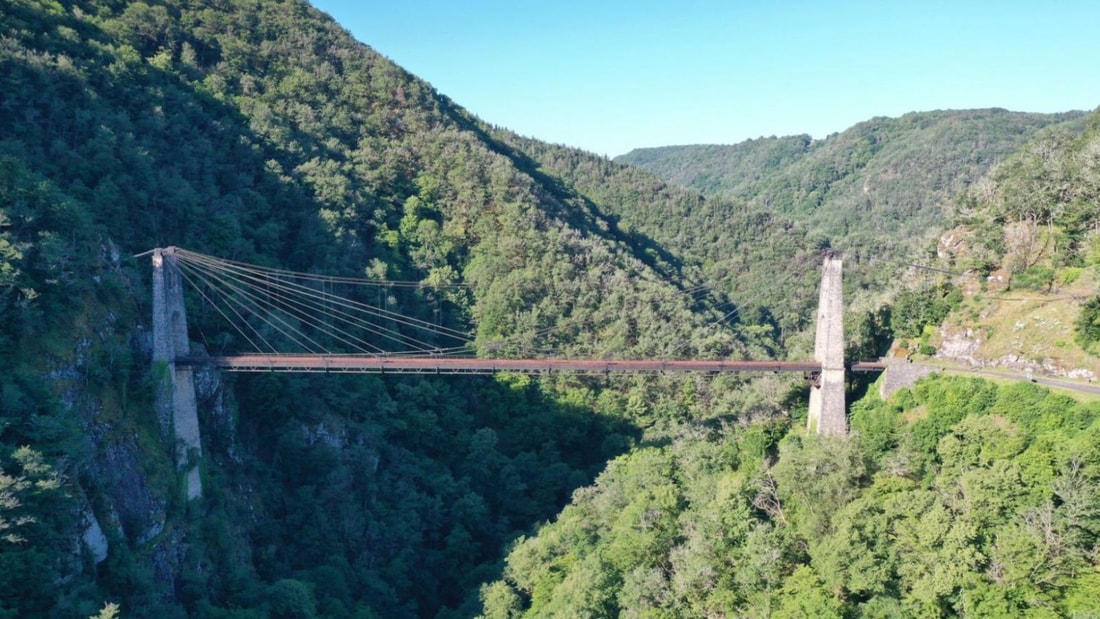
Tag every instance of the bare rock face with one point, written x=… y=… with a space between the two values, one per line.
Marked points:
x=960 y=346
x=116 y=475
x=952 y=243
x=964 y=346
x=93 y=537
x=219 y=426
x=1081 y=374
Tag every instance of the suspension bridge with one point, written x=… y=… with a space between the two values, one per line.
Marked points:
x=296 y=322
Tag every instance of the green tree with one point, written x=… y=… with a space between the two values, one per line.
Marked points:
x=914 y=310
x=804 y=596
x=110 y=610
x=36 y=476
x=500 y=601
x=292 y=599
x=1086 y=328
x=817 y=477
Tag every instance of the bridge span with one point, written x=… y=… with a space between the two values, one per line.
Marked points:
x=261 y=302
x=380 y=364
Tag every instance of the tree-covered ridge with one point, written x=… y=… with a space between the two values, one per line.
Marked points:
x=714 y=169
x=1041 y=205
x=960 y=498
x=223 y=116
x=882 y=178
x=879 y=193
x=764 y=266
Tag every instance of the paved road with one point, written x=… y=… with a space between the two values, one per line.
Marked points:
x=1040 y=380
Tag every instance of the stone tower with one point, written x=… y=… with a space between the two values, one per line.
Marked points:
x=827 y=406
x=176 y=408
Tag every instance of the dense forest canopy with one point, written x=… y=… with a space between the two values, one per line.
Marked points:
x=260 y=131
x=960 y=498
x=1050 y=190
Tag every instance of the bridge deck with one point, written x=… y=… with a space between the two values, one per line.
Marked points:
x=449 y=365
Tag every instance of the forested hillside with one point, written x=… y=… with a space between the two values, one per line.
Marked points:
x=765 y=263
x=1028 y=232
x=877 y=192
x=959 y=498
x=881 y=181
x=260 y=131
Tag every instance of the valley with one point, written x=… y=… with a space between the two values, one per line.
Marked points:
x=261 y=132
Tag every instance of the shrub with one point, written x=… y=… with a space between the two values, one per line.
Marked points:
x=1034 y=277
x=1069 y=275
x=916 y=309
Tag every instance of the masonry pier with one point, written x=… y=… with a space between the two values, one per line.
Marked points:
x=176 y=407
x=828 y=413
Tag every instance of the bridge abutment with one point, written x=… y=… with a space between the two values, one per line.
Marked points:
x=176 y=407
x=828 y=415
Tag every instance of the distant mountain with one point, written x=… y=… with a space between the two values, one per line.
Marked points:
x=886 y=178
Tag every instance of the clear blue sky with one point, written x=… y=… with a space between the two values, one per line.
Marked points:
x=611 y=76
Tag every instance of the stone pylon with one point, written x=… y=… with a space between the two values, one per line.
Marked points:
x=177 y=410
x=828 y=413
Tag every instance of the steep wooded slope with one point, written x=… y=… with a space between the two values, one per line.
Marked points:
x=763 y=263
x=1030 y=227
x=766 y=264
x=959 y=498
x=886 y=178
